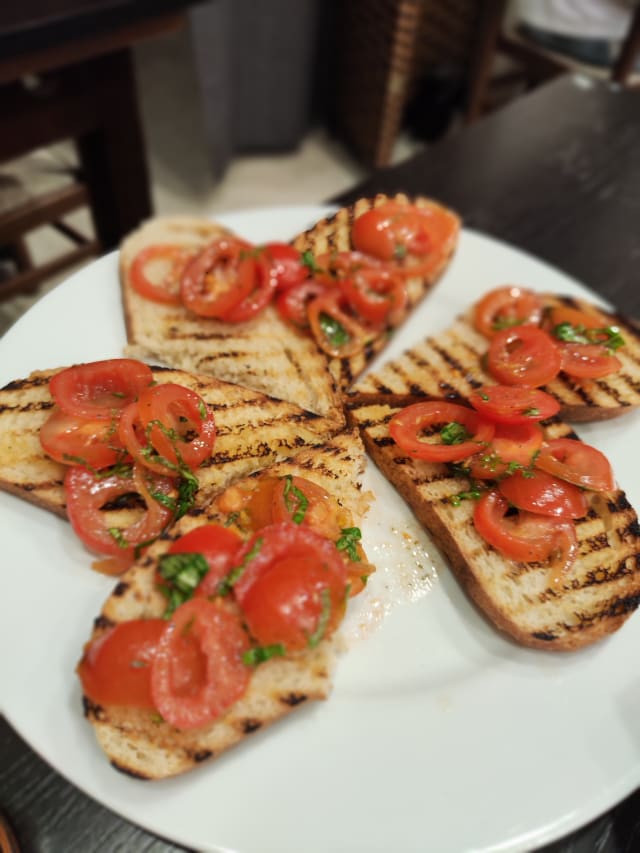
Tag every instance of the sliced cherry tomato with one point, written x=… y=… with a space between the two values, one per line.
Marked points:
x=513 y=404
x=304 y=502
x=459 y=431
x=505 y=307
x=292 y=303
x=416 y=237
x=264 y=287
x=511 y=445
x=577 y=463
x=99 y=389
x=178 y=424
x=286 y=268
x=218 y=545
x=526 y=537
x=86 y=494
x=156 y=272
x=373 y=289
x=219 y=278
x=116 y=667
x=337 y=333
x=523 y=355
x=78 y=441
x=198 y=671
x=539 y=492
x=588 y=361
x=297 y=602
x=132 y=435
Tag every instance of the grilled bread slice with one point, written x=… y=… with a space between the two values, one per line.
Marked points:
x=139 y=744
x=599 y=593
x=265 y=353
x=333 y=234
x=449 y=365
x=253 y=430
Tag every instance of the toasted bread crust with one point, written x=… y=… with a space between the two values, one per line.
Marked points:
x=597 y=596
x=140 y=744
x=449 y=365
x=253 y=430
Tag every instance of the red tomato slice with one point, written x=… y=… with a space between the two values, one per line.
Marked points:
x=337 y=333
x=378 y=296
x=577 y=463
x=86 y=494
x=218 y=278
x=116 y=668
x=100 y=389
x=587 y=361
x=505 y=307
x=178 y=424
x=156 y=272
x=292 y=303
x=78 y=441
x=512 y=444
x=417 y=238
x=523 y=355
x=264 y=287
x=218 y=545
x=513 y=404
x=296 y=602
x=274 y=543
x=198 y=672
x=527 y=537
x=303 y=502
x=408 y=428
x=286 y=268
x=539 y=492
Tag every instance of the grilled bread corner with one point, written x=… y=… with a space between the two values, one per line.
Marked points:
x=264 y=353
x=333 y=234
x=253 y=430
x=449 y=365
x=599 y=593
x=139 y=744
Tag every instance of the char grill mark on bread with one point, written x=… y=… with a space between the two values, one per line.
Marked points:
x=599 y=593
x=253 y=430
x=139 y=744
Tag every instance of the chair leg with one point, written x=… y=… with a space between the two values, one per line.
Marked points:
x=112 y=157
x=629 y=52
x=489 y=23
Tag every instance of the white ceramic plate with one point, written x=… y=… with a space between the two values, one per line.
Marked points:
x=440 y=734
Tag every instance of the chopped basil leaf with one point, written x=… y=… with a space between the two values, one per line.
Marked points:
x=202 y=409
x=483 y=395
x=157 y=718
x=609 y=336
x=474 y=494
x=400 y=252
x=533 y=412
x=333 y=330
x=323 y=619
x=187 y=487
x=501 y=323
x=118 y=535
x=295 y=501
x=184 y=572
x=138 y=664
x=309 y=261
x=348 y=542
x=454 y=433
x=259 y=654
x=232 y=518
x=164 y=500
x=227 y=583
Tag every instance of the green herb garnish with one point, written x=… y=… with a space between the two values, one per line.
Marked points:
x=533 y=412
x=454 y=433
x=259 y=654
x=295 y=501
x=309 y=261
x=609 y=336
x=348 y=542
x=323 y=620
x=118 y=535
x=333 y=330
x=183 y=572
x=227 y=583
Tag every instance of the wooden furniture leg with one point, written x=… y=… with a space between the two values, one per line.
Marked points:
x=112 y=155
x=489 y=24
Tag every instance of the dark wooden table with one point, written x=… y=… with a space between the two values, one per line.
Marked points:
x=556 y=173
